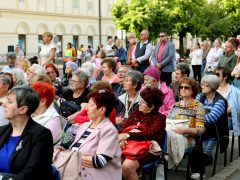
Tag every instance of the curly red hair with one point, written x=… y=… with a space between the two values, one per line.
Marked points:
x=45 y=91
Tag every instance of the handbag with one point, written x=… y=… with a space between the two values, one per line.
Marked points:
x=174 y=123
x=136 y=149
x=68 y=163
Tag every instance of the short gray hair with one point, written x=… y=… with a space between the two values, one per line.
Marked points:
x=6 y=79
x=212 y=81
x=136 y=78
x=26 y=96
x=184 y=68
x=11 y=55
x=89 y=66
x=19 y=74
x=82 y=77
x=38 y=69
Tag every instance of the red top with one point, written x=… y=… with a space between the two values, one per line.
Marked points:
x=160 y=51
x=151 y=125
x=82 y=117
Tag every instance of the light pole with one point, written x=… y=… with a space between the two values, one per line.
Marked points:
x=100 y=22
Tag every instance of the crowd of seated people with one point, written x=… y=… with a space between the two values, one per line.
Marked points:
x=105 y=97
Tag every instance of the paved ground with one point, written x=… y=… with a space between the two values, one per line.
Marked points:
x=181 y=172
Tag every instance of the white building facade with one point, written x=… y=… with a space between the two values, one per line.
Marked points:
x=23 y=22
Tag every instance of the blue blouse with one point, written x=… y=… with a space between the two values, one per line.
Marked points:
x=6 y=153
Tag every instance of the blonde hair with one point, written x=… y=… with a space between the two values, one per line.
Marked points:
x=24 y=63
x=40 y=78
x=49 y=34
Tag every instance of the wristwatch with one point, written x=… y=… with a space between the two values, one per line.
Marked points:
x=128 y=136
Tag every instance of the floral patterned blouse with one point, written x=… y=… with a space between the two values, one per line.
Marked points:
x=194 y=112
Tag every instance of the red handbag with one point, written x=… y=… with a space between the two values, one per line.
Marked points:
x=136 y=149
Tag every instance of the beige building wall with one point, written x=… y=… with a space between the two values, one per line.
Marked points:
x=65 y=18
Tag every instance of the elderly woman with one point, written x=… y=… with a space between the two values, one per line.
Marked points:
x=128 y=101
x=53 y=74
x=11 y=58
x=18 y=77
x=147 y=113
x=97 y=62
x=6 y=83
x=78 y=88
x=152 y=78
x=26 y=148
x=46 y=114
x=120 y=53
x=192 y=111
x=97 y=140
x=47 y=53
x=70 y=67
x=215 y=118
x=108 y=68
x=90 y=67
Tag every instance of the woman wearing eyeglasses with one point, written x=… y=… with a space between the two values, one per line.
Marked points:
x=192 y=112
x=215 y=119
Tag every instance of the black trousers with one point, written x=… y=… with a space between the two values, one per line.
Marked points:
x=166 y=77
x=197 y=72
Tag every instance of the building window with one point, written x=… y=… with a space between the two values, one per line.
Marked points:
x=75 y=4
x=90 y=41
x=75 y=42
x=40 y=42
x=90 y=5
x=22 y=42
x=21 y=1
x=41 y=4
x=110 y=3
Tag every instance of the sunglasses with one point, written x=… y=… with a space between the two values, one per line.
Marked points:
x=184 y=87
x=162 y=36
x=217 y=74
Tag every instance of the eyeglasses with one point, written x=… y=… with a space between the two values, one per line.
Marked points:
x=162 y=36
x=184 y=87
x=142 y=34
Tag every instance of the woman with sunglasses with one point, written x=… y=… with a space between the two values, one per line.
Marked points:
x=215 y=119
x=192 y=110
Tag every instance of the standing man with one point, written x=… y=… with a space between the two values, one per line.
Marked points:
x=164 y=58
x=229 y=59
x=142 y=52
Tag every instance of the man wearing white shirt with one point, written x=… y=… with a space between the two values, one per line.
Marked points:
x=142 y=52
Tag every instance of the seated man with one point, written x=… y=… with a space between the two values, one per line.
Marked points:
x=182 y=70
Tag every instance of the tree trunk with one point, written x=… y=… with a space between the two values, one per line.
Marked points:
x=181 y=46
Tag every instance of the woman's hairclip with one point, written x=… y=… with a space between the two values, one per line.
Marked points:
x=101 y=91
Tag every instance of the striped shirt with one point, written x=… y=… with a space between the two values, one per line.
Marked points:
x=213 y=111
x=76 y=146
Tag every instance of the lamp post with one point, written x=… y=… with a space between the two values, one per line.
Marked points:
x=100 y=22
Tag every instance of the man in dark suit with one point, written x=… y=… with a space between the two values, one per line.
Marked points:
x=164 y=58
x=142 y=52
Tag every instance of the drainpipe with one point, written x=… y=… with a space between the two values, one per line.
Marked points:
x=100 y=22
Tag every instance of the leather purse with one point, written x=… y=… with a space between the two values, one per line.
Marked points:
x=136 y=149
x=68 y=163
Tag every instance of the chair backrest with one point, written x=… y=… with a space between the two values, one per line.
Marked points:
x=164 y=142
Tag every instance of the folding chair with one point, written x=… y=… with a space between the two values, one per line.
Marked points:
x=232 y=147
x=152 y=166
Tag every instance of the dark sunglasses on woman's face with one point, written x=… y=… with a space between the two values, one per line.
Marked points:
x=217 y=74
x=184 y=87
